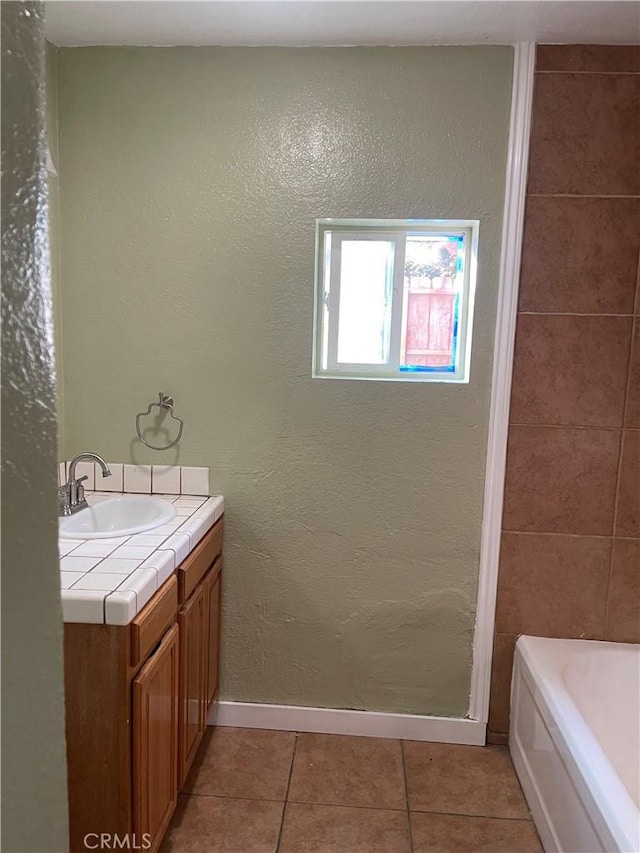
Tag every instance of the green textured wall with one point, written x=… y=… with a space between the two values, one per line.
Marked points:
x=54 y=228
x=34 y=773
x=190 y=182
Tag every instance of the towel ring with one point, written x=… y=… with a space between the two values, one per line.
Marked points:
x=164 y=402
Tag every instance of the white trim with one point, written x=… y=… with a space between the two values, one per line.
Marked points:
x=296 y=718
x=397 y=301
x=512 y=230
x=396 y=231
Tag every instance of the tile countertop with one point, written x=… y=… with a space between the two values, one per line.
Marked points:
x=108 y=581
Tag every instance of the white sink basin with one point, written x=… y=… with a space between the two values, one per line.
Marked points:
x=119 y=516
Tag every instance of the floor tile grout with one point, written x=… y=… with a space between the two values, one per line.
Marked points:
x=232 y=797
x=347 y=806
x=527 y=819
x=406 y=795
x=286 y=795
x=331 y=817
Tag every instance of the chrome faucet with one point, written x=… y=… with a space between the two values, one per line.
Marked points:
x=71 y=497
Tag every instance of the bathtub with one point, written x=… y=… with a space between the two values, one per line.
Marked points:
x=575 y=742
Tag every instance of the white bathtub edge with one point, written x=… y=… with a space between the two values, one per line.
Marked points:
x=607 y=806
x=544 y=825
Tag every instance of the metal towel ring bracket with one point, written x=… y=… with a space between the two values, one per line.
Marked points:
x=164 y=402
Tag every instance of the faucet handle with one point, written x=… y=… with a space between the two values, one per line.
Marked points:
x=77 y=491
x=71 y=496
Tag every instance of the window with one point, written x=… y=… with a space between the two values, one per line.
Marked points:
x=394 y=299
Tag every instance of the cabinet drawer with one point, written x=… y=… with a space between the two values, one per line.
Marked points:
x=153 y=620
x=195 y=567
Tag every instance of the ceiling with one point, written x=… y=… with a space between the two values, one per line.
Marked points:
x=340 y=22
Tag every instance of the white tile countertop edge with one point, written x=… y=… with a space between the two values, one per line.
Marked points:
x=108 y=581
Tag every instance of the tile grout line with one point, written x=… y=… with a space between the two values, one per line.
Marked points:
x=568 y=426
x=607 y=598
x=594 y=315
x=348 y=806
x=286 y=794
x=569 y=535
x=229 y=797
x=584 y=195
x=583 y=72
x=351 y=806
x=528 y=819
x=634 y=331
x=294 y=802
x=614 y=523
x=406 y=795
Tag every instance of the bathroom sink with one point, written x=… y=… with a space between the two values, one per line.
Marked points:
x=118 y=516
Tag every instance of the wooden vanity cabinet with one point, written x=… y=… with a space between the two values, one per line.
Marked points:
x=191 y=620
x=137 y=698
x=199 y=624
x=213 y=610
x=155 y=740
x=198 y=578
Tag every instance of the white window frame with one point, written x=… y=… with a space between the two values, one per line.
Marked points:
x=325 y=326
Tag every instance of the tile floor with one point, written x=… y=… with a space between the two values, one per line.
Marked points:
x=259 y=791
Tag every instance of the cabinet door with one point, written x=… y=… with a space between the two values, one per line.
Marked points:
x=155 y=740
x=213 y=584
x=192 y=622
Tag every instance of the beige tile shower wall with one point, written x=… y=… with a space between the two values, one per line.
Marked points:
x=191 y=180
x=570 y=562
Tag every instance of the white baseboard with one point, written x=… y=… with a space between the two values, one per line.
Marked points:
x=296 y=718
